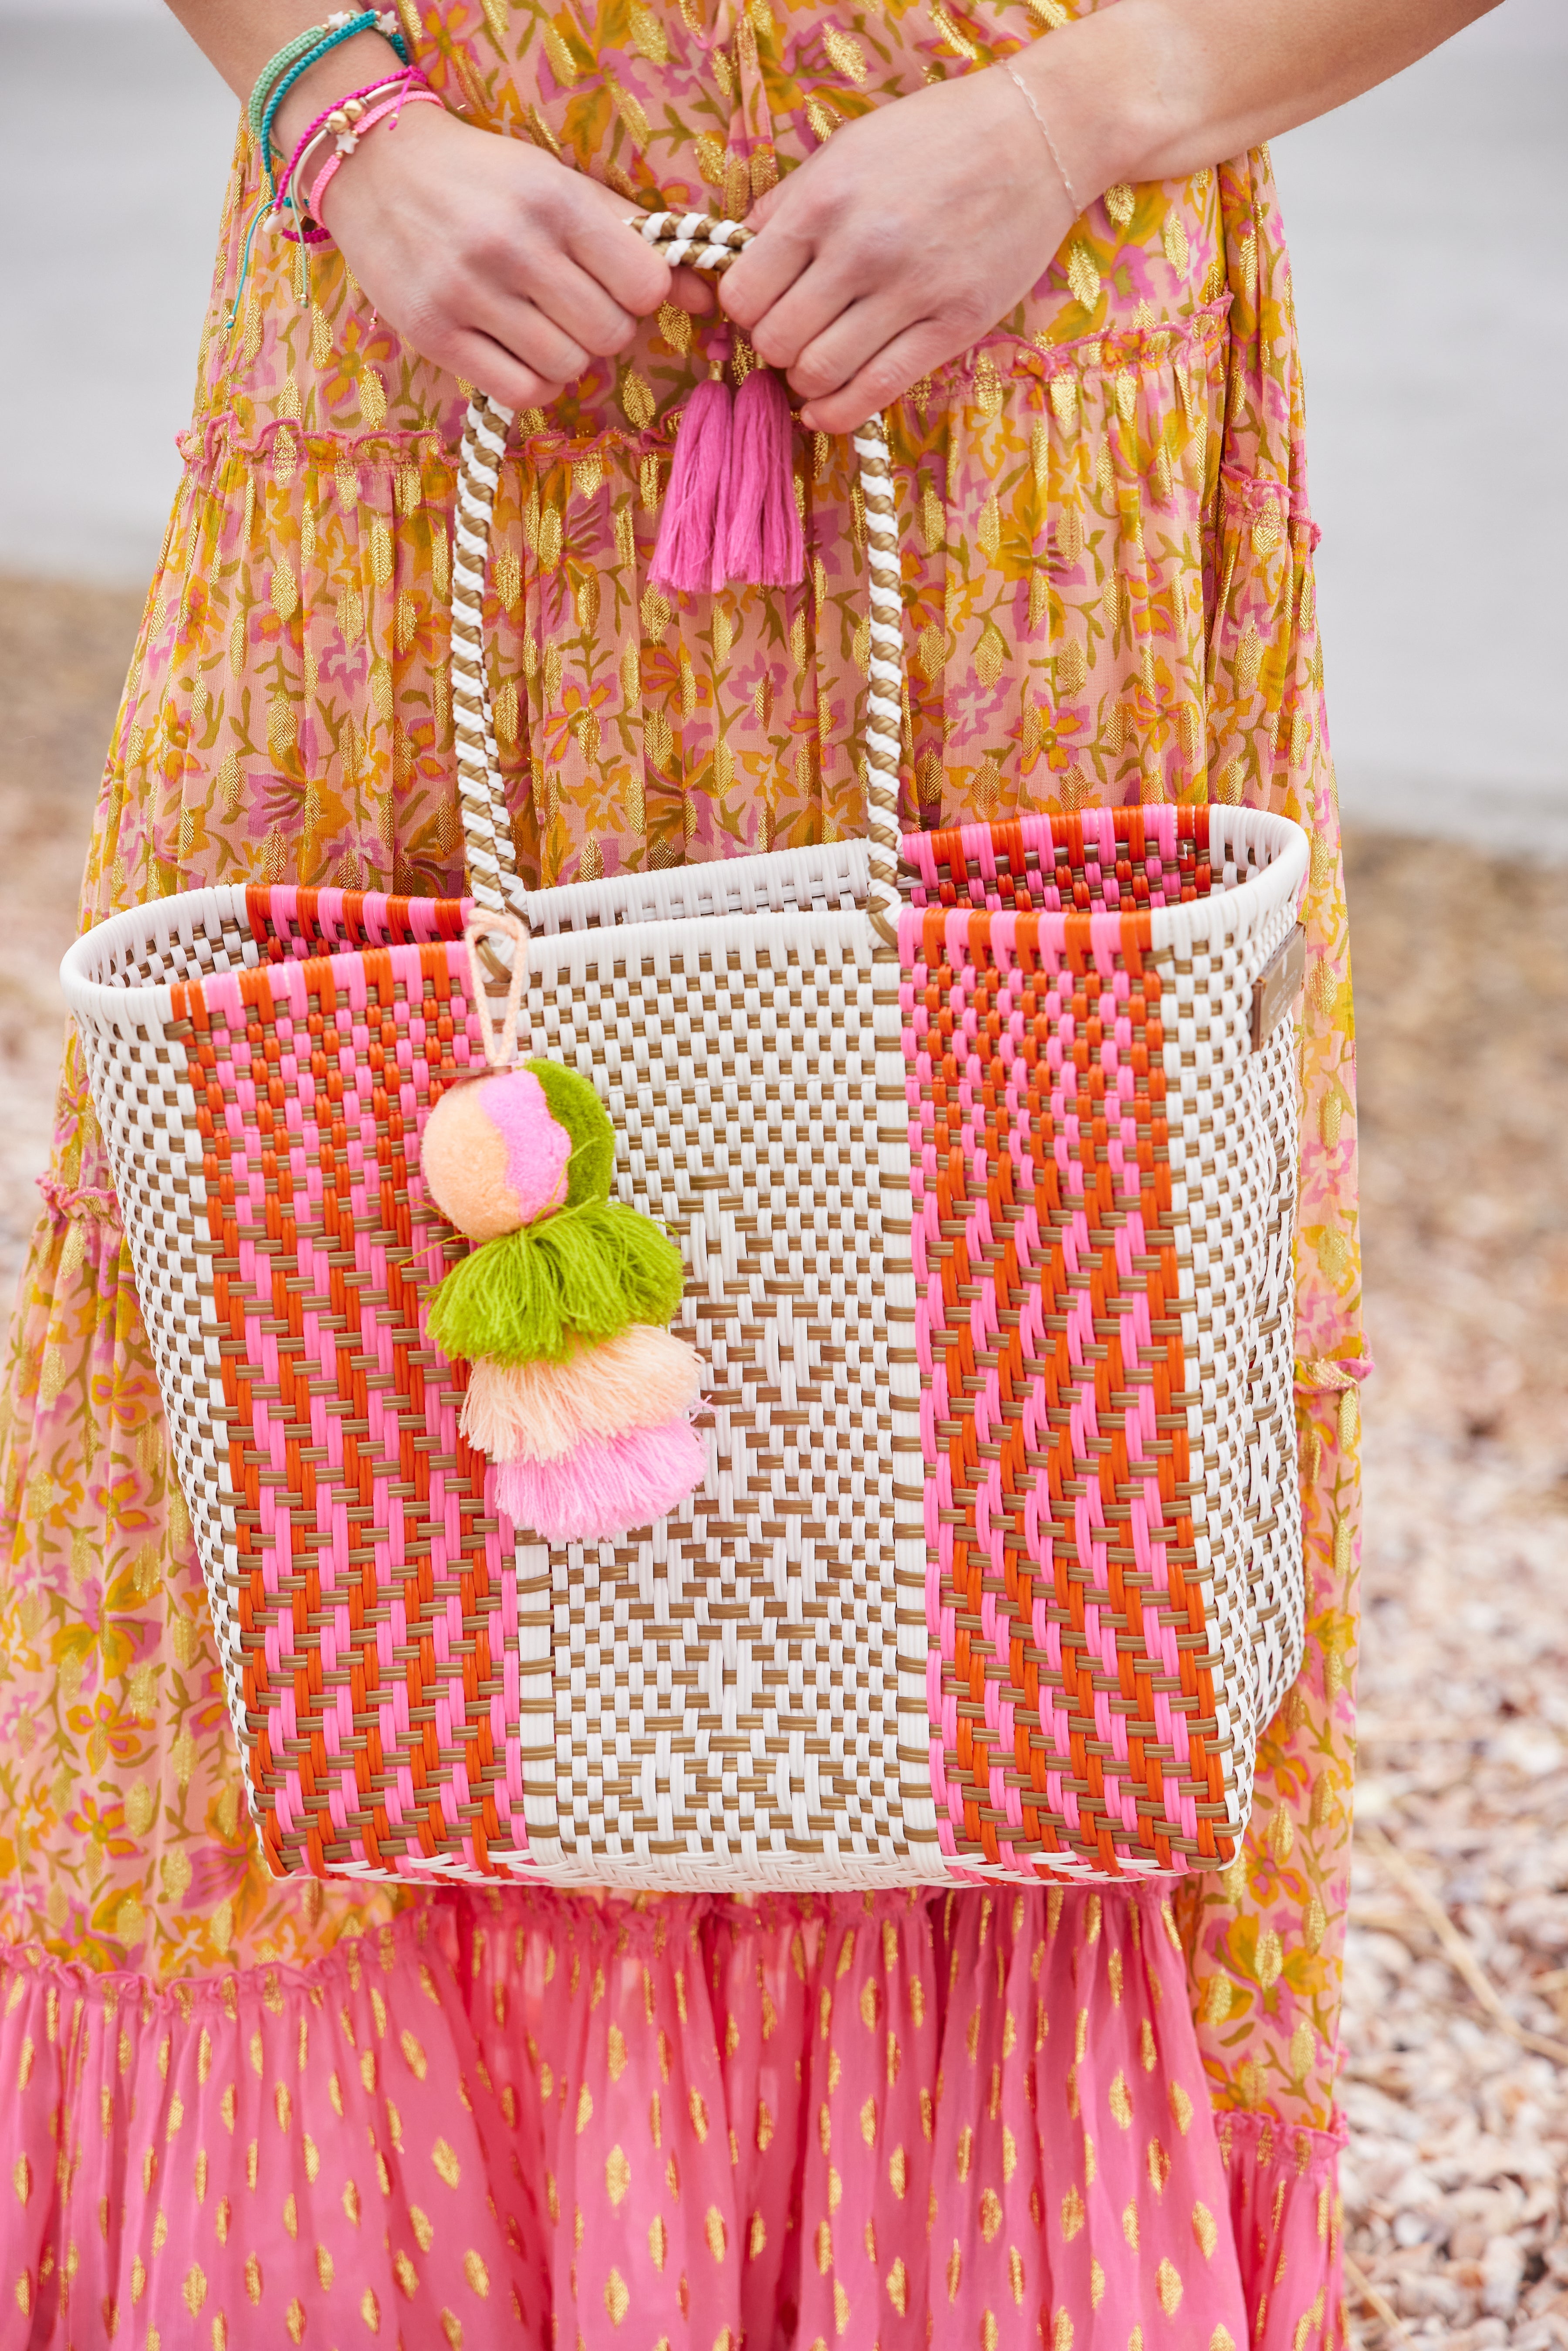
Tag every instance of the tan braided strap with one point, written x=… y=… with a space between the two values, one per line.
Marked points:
x=487 y=826
x=883 y=712
x=695 y=242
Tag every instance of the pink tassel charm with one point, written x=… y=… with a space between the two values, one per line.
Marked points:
x=766 y=544
x=606 y=1485
x=693 y=530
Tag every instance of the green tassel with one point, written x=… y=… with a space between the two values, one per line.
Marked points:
x=587 y=1271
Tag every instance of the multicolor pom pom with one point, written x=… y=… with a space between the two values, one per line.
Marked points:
x=494 y=1157
x=580 y=1399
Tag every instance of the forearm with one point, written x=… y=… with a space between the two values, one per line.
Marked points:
x=1155 y=90
x=239 y=40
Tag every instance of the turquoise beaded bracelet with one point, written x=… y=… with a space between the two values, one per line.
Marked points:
x=280 y=73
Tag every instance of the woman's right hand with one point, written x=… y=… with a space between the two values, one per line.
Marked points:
x=492 y=260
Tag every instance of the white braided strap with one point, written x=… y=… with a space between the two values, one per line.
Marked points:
x=694 y=240
x=883 y=709
x=487 y=826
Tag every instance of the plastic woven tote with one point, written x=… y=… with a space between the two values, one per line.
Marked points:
x=980 y=1150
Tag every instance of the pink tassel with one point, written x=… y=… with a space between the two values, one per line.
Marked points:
x=766 y=544
x=605 y=1485
x=693 y=530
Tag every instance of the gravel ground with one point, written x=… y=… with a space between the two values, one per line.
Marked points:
x=1456 y=2080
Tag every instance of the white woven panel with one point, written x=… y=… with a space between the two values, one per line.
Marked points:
x=743 y=1695
x=782 y=881
x=1233 y=1153
x=145 y=1107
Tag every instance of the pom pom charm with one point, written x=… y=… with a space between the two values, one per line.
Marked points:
x=583 y=1404
x=493 y=1156
x=601 y=1438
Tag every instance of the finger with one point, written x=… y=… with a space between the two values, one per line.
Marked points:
x=804 y=312
x=534 y=339
x=785 y=191
x=597 y=235
x=772 y=263
x=483 y=362
x=883 y=378
x=578 y=305
x=787 y=233
x=833 y=357
x=827 y=325
x=690 y=291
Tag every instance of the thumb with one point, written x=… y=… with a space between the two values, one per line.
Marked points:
x=775 y=256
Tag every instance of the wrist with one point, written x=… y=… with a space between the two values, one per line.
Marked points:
x=366 y=181
x=1119 y=89
x=368 y=57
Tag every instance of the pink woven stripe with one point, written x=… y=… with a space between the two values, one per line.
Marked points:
x=329 y=932
x=973 y=1059
x=979 y=846
x=333 y=1082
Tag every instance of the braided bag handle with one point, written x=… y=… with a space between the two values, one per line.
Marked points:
x=699 y=243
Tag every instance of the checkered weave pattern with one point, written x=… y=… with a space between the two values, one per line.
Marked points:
x=985 y=1192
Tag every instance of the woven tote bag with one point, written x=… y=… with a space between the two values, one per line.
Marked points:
x=980 y=1150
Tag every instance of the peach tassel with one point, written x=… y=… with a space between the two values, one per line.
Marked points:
x=540 y=1411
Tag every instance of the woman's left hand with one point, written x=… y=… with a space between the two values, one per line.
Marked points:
x=899 y=245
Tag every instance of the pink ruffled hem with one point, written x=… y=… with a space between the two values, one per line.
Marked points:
x=1288 y=2223
x=544 y=2121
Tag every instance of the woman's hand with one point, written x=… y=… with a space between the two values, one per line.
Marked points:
x=899 y=245
x=919 y=225
x=492 y=260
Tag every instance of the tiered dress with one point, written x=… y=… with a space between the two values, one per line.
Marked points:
x=239 y=2110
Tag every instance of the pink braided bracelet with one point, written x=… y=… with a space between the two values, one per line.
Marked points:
x=349 y=139
x=340 y=116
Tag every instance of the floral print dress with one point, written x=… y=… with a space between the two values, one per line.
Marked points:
x=1080 y=2119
